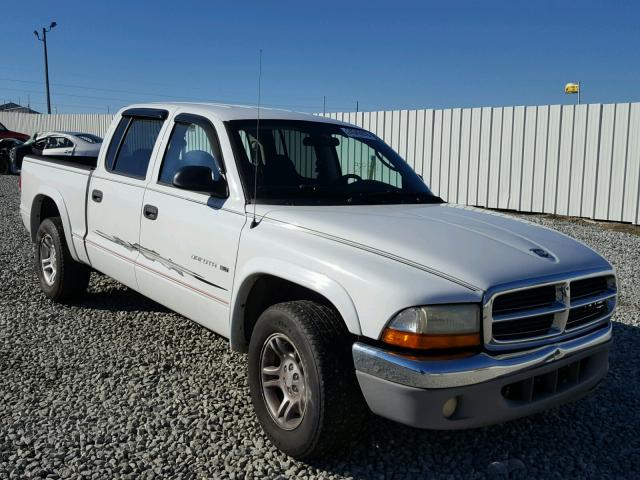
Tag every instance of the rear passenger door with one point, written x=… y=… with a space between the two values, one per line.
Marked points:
x=114 y=203
x=189 y=240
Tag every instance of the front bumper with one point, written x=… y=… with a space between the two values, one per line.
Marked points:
x=487 y=388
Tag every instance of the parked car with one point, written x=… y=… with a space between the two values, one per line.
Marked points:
x=57 y=144
x=314 y=247
x=6 y=144
x=6 y=133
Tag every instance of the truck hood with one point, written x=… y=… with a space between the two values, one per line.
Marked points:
x=478 y=248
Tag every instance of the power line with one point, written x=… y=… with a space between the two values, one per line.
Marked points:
x=130 y=92
x=72 y=105
x=92 y=97
x=160 y=96
x=145 y=94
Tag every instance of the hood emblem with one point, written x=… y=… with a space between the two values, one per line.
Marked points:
x=542 y=253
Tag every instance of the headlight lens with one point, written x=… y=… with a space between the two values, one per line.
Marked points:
x=435 y=327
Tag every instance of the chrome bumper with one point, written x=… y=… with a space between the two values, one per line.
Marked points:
x=482 y=367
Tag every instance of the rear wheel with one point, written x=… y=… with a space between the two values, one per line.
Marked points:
x=61 y=277
x=301 y=378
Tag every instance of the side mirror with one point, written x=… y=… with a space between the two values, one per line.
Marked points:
x=198 y=178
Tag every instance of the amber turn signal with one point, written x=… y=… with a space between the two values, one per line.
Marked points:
x=420 y=341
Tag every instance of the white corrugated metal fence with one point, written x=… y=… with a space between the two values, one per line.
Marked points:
x=30 y=123
x=578 y=160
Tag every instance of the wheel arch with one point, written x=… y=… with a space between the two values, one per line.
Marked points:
x=49 y=203
x=250 y=298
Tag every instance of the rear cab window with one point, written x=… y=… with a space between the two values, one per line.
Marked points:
x=133 y=141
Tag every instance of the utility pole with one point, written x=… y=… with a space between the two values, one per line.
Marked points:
x=324 y=104
x=357 y=106
x=46 y=60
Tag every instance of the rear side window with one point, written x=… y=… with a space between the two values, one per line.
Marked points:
x=87 y=137
x=131 y=146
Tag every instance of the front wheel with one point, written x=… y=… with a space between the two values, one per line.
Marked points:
x=301 y=379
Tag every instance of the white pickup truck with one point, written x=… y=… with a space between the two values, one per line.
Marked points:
x=314 y=247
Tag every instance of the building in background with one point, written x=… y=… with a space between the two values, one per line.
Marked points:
x=15 y=108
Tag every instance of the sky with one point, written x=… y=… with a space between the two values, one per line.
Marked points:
x=383 y=55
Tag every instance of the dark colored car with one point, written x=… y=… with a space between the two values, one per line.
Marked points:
x=17 y=153
x=8 y=140
x=7 y=145
x=6 y=133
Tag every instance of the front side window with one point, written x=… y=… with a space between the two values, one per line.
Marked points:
x=131 y=157
x=41 y=144
x=317 y=163
x=190 y=144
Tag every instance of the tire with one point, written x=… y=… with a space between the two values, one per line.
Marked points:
x=5 y=167
x=333 y=409
x=61 y=277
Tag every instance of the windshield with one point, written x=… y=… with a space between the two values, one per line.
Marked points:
x=314 y=163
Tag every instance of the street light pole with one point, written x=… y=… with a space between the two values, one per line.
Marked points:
x=46 y=69
x=46 y=60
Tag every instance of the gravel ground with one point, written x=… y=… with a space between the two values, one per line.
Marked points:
x=116 y=386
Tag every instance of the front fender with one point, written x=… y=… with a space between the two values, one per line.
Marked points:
x=47 y=191
x=314 y=281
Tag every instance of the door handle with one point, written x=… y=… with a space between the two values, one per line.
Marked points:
x=150 y=212
x=96 y=196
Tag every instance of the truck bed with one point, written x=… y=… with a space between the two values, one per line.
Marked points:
x=64 y=180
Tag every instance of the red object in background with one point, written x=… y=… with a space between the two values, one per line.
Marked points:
x=5 y=133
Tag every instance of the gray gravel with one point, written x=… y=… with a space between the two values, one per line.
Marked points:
x=116 y=386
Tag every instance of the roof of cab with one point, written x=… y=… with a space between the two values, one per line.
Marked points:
x=224 y=112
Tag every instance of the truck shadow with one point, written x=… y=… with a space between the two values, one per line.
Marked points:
x=593 y=437
x=108 y=295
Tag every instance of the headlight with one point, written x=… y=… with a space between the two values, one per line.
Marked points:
x=435 y=327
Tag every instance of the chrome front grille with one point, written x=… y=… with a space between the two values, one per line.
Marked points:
x=535 y=314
